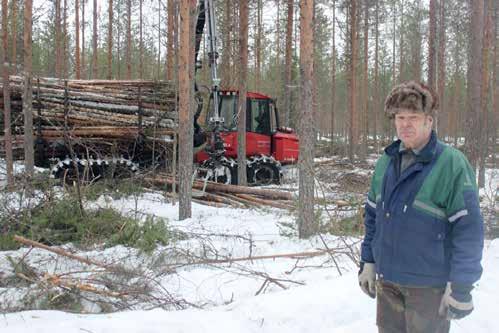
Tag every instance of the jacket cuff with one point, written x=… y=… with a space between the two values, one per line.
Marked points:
x=461 y=292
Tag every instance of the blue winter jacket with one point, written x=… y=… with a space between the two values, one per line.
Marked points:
x=423 y=225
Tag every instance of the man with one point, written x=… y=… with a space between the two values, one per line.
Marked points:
x=424 y=230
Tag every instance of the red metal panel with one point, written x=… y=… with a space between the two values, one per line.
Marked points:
x=256 y=144
x=286 y=147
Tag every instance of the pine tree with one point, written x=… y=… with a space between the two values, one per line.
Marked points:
x=6 y=98
x=29 y=142
x=77 y=40
x=186 y=80
x=306 y=222
x=241 y=105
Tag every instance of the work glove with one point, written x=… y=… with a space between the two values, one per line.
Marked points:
x=367 y=278
x=456 y=302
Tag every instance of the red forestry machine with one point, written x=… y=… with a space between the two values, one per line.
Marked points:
x=89 y=153
x=268 y=146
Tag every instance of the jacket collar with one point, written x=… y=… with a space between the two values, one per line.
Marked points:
x=425 y=155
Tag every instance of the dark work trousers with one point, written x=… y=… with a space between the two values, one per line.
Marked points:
x=403 y=309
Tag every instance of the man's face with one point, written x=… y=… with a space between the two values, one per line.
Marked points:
x=413 y=128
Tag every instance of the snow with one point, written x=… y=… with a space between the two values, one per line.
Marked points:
x=330 y=304
x=231 y=297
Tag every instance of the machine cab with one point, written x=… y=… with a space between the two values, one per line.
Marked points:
x=261 y=115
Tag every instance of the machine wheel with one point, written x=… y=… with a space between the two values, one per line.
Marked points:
x=264 y=170
x=224 y=173
x=90 y=170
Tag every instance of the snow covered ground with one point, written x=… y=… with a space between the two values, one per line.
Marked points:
x=311 y=296
x=327 y=302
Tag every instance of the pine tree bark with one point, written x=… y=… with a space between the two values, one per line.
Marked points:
x=226 y=63
x=432 y=45
x=170 y=57
x=65 y=35
x=128 y=55
x=278 y=78
x=394 y=69
x=94 y=42
x=416 y=53
x=376 y=108
x=474 y=75
x=83 y=37
x=14 y=36
x=288 y=60
x=186 y=84
x=484 y=119
x=141 y=42
x=495 y=81
x=110 y=42
x=401 y=43
x=441 y=68
x=158 y=64
x=365 y=86
x=333 y=78
x=29 y=143
x=258 y=45
x=241 y=104
x=58 y=48
x=77 y=40
x=6 y=97
x=306 y=219
x=353 y=134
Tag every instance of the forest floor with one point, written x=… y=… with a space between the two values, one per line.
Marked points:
x=226 y=270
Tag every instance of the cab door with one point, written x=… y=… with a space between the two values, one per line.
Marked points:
x=258 y=127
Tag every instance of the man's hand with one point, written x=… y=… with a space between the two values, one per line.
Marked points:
x=367 y=278
x=456 y=302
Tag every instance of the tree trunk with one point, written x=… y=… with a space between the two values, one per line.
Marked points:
x=65 y=43
x=158 y=66
x=401 y=43
x=118 y=43
x=141 y=43
x=432 y=45
x=6 y=98
x=306 y=219
x=77 y=40
x=83 y=36
x=241 y=107
x=333 y=78
x=354 y=126
x=226 y=63
x=495 y=82
x=288 y=60
x=29 y=156
x=58 y=48
x=394 y=71
x=258 y=45
x=94 y=43
x=278 y=77
x=416 y=54
x=186 y=82
x=14 y=35
x=110 y=42
x=170 y=57
x=474 y=81
x=128 y=55
x=365 y=85
x=484 y=119
x=377 y=96
x=441 y=66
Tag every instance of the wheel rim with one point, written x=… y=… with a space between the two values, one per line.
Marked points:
x=264 y=175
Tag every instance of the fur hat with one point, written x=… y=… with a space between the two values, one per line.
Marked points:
x=413 y=96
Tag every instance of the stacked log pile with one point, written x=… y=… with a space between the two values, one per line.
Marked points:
x=95 y=107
